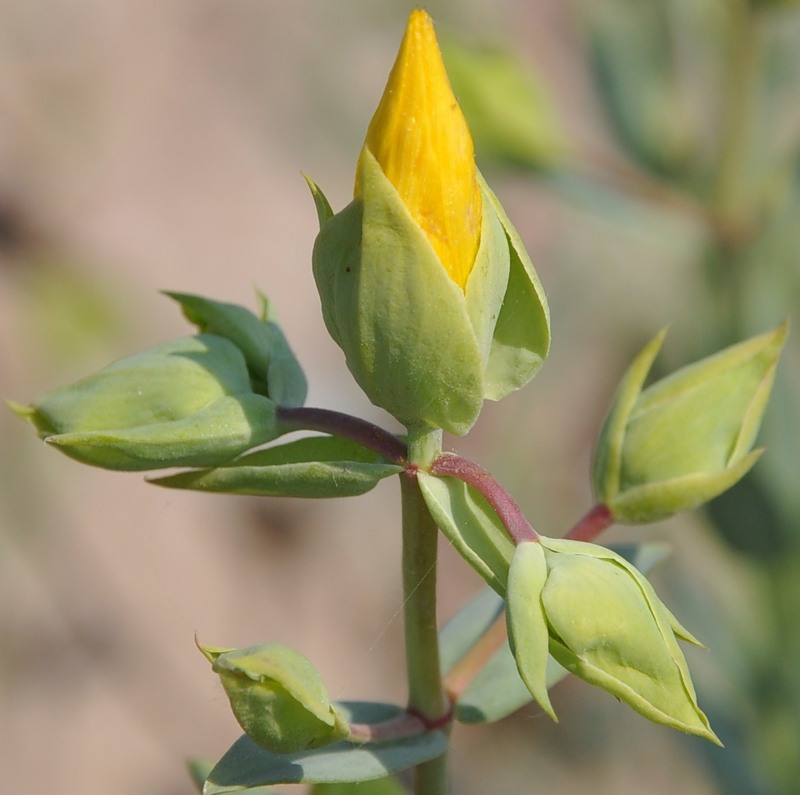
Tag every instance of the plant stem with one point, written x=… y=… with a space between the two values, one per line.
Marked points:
x=592 y=524
x=735 y=200
x=426 y=696
x=504 y=505
x=336 y=423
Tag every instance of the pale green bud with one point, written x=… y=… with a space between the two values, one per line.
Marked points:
x=417 y=344
x=603 y=622
x=277 y=697
x=187 y=402
x=687 y=438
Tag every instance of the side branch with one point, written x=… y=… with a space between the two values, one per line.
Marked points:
x=507 y=509
x=336 y=423
x=592 y=524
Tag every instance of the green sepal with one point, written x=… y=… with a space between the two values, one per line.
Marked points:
x=278 y=698
x=471 y=526
x=187 y=402
x=687 y=438
x=247 y=765
x=607 y=461
x=323 y=206
x=390 y=305
x=652 y=502
x=487 y=284
x=314 y=467
x=274 y=370
x=527 y=622
x=608 y=627
x=521 y=337
x=416 y=344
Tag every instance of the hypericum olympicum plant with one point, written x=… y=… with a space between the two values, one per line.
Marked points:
x=428 y=290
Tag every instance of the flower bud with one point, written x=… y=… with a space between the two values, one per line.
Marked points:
x=188 y=402
x=424 y=283
x=604 y=623
x=277 y=697
x=686 y=438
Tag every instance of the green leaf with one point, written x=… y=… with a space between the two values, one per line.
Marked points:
x=468 y=626
x=246 y=765
x=199 y=770
x=272 y=365
x=315 y=467
x=378 y=786
x=497 y=690
x=471 y=526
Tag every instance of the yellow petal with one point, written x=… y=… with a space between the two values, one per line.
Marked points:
x=421 y=140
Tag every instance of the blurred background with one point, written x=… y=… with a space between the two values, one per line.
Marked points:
x=649 y=154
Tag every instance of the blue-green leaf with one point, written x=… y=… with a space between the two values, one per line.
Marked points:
x=315 y=467
x=246 y=765
x=471 y=526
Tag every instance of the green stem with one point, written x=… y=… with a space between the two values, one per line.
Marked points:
x=426 y=696
x=504 y=505
x=735 y=200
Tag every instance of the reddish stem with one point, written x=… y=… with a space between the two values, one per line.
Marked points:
x=464 y=671
x=592 y=524
x=406 y=724
x=336 y=423
x=508 y=511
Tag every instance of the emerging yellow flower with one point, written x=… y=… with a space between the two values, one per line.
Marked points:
x=422 y=143
x=424 y=282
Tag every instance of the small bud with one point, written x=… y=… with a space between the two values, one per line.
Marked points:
x=424 y=283
x=188 y=402
x=687 y=438
x=605 y=625
x=277 y=697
